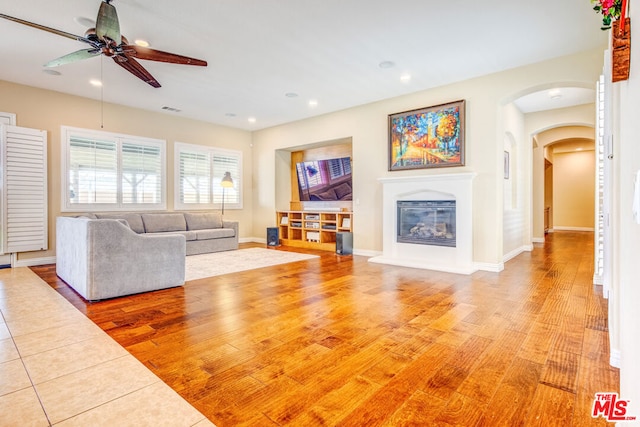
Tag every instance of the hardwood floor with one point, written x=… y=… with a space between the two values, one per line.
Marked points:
x=340 y=341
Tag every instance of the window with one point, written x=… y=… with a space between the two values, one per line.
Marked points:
x=339 y=167
x=199 y=171
x=109 y=172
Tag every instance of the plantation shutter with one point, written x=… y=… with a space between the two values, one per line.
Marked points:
x=221 y=165
x=339 y=167
x=198 y=174
x=195 y=177
x=25 y=210
x=93 y=171
x=141 y=173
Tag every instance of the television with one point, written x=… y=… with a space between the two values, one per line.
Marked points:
x=324 y=180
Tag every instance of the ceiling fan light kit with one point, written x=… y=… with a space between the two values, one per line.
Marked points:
x=105 y=39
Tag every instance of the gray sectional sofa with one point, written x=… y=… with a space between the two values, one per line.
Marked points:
x=106 y=255
x=204 y=231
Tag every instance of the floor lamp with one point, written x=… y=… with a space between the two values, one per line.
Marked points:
x=226 y=182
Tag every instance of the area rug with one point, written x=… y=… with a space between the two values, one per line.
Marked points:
x=217 y=263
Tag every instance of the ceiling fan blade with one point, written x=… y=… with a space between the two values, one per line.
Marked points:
x=44 y=28
x=134 y=67
x=73 y=57
x=158 y=55
x=107 y=24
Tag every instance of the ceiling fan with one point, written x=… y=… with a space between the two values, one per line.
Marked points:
x=105 y=39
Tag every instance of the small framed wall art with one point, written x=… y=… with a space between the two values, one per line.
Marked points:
x=430 y=137
x=506 y=165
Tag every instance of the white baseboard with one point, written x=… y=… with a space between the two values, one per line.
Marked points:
x=614 y=358
x=514 y=253
x=252 y=240
x=538 y=240
x=419 y=263
x=563 y=228
x=33 y=261
x=489 y=266
x=365 y=252
x=598 y=279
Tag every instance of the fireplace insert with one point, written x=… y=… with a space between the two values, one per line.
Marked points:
x=427 y=222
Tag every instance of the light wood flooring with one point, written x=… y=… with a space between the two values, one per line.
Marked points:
x=341 y=341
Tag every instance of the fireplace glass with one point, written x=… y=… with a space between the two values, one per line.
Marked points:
x=427 y=222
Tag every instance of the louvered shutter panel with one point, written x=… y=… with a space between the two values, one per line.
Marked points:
x=195 y=177
x=222 y=164
x=141 y=173
x=25 y=189
x=93 y=170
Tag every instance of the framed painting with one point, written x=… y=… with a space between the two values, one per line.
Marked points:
x=506 y=165
x=429 y=137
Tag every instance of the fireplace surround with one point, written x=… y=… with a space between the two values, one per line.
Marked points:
x=430 y=191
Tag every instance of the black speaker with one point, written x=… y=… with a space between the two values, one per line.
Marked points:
x=273 y=238
x=344 y=243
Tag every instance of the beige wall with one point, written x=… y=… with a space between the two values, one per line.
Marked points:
x=516 y=200
x=267 y=184
x=48 y=110
x=367 y=126
x=574 y=190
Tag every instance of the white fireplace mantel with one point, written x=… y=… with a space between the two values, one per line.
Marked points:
x=448 y=186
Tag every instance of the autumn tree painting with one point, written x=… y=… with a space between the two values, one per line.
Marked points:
x=428 y=137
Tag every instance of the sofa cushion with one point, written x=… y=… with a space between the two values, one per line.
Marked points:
x=203 y=220
x=330 y=194
x=342 y=191
x=215 y=233
x=133 y=219
x=158 y=222
x=188 y=235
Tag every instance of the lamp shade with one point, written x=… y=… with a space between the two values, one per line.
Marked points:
x=227 y=182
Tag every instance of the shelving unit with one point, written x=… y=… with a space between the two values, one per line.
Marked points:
x=312 y=229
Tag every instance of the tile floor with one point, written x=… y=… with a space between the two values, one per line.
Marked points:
x=58 y=368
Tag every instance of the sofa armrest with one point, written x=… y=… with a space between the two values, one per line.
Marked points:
x=116 y=261
x=231 y=224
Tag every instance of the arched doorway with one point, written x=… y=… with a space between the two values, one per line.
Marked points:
x=535 y=120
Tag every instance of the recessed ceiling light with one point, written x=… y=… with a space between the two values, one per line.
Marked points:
x=405 y=78
x=313 y=103
x=141 y=43
x=555 y=94
x=251 y=119
x=95 y=82
x=387 y=64
x=291 y=95
x=51 y=72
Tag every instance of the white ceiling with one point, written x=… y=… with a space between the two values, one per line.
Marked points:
x=258 y=51
x=557 y=97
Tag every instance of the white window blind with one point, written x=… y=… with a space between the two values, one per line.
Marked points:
x=106 y=171
x=199 y=171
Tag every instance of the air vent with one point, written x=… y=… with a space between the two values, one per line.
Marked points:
x=173 y=110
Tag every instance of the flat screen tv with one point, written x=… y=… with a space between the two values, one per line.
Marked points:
x=325 y=180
